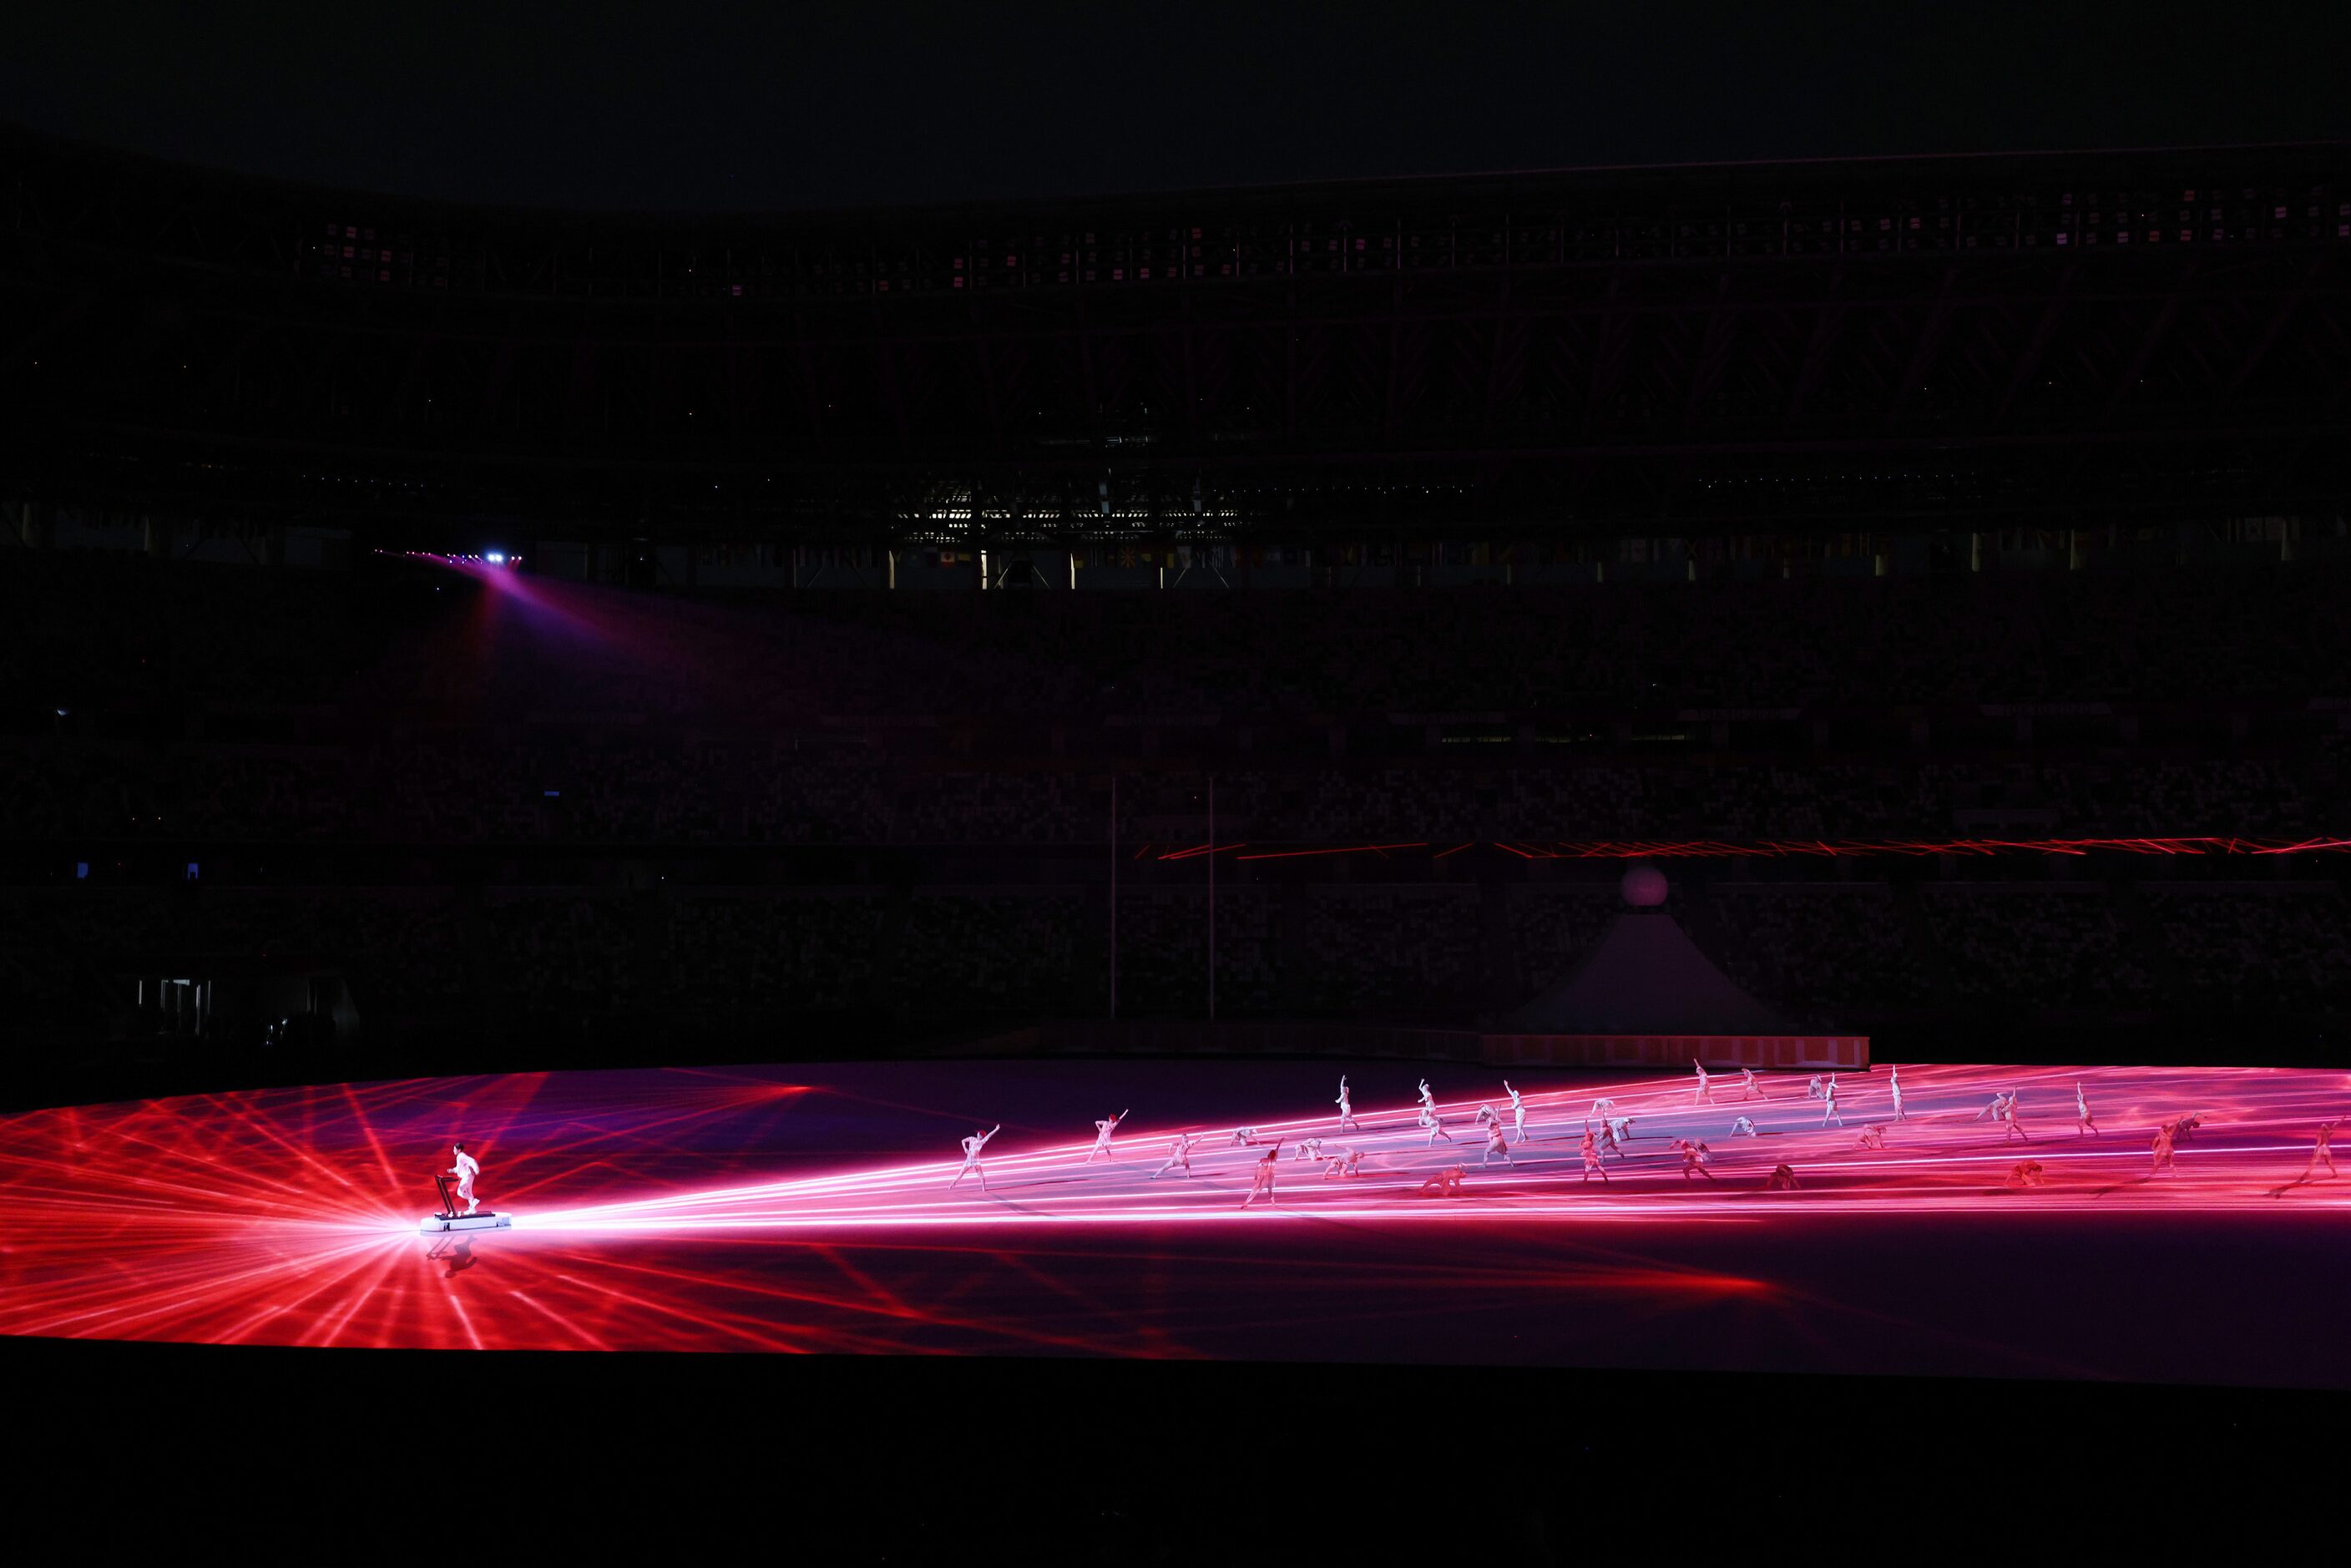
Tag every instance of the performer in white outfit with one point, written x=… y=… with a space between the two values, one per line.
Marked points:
x=971 y=1147
x=1429 y=1119
x=1619 y=1131
x=1180 y=1157
x=1602 y=1109
x=465 y=1170
x=1445 y=1183
x=1428 y=1099
x=1346 y=1163
x=1747 y=1085
x=1695 y=1159
x=1743 y=1128
x=1704 y=1092
x=1518 y=1110
x=1896 y=1083
x=2015 y=1128
x=1262 y=1181
x=2322 y=1153
x=1829 y=1109
x=1102 y=1130
x=2083 y=1122
x=1346 y=1108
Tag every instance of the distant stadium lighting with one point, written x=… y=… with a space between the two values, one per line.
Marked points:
x=497 y=559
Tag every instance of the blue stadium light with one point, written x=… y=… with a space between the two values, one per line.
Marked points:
x=497 y=559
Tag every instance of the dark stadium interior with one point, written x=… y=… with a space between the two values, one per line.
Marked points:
x=459 y=620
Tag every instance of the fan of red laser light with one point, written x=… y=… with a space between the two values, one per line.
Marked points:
x=127 y=1168
x=290 y=1216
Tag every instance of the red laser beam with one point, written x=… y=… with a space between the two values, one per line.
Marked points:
x=1347 y=850
x=745 y=1209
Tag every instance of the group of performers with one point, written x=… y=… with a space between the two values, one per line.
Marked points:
x=1606 y=1133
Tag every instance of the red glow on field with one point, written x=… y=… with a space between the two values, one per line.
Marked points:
x=727 y=1208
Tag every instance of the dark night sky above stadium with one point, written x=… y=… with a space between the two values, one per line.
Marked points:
x=783 y=105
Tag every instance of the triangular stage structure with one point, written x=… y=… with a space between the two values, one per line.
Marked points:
x=1647 y=976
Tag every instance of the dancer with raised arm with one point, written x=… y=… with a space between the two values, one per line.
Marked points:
x=1518 y=1110
x=1261 y=1176
x=1705 y=1093
x=1829 y=1104
x=1346 y=1108
x=1747 y=1085
x=971 y=1147
x=2083 y=1122
x=2016 y=1124
x=1102 y=1130
x=2322 y=1153
x=1180 y=1157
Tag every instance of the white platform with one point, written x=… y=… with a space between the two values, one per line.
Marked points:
x=434 y=1224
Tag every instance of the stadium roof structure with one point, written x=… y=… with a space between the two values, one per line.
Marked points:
x=2043 y=339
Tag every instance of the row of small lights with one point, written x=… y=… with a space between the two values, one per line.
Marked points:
x=491 y=557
